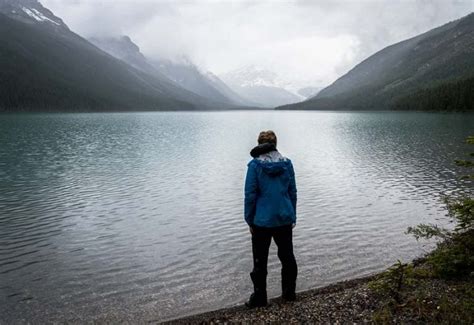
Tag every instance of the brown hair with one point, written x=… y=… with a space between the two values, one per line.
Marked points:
x=267 y=137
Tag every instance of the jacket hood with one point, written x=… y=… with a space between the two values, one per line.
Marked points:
x=272 y=162
x=274 y=169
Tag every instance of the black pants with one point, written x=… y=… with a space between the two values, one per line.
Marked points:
x=261 y=240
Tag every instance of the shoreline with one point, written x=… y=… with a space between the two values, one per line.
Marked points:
x=419 y=297
x=227 y=313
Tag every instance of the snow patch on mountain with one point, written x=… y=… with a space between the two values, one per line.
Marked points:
x=262 y=86
x=31 y=10
x=35 y=14
x=252 y=75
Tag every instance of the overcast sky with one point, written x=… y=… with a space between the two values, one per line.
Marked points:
x=305 y=42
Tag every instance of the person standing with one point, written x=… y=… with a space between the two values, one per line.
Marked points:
x=270 y=212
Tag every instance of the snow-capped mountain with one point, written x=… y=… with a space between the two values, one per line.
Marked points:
x=261 y=86
x=186 y=74
x=182 y=72
x=226 y=90
x=48 y=67
x=251 y=75
x=30 y=11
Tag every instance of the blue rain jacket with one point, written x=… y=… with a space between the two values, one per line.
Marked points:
x=270 y=192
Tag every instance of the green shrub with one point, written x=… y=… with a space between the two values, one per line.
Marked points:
x=453 y=256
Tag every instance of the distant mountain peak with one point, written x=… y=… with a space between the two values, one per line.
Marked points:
x=260 y=85
x=120 y=45
x=181 y=70
x=252 y=75
x=123 y=48
x=125 y=39
x=31 y=11
x=181 y=60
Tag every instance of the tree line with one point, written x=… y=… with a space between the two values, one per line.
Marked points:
x=451 y=96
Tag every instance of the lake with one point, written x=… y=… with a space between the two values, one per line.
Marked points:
x=139 y=216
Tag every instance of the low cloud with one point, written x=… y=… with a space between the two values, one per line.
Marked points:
x=305 y=42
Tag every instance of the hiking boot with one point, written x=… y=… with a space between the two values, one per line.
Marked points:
x=289 y=297
x=256 y=301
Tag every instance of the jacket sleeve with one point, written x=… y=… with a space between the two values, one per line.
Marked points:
x=292 y=188
x=251 y=190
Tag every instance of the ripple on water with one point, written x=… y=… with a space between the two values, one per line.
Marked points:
x=141 y=214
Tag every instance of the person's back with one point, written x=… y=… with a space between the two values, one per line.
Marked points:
x=270 y=211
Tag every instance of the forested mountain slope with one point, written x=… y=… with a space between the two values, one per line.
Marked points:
x=46 y=67
x=420 y=65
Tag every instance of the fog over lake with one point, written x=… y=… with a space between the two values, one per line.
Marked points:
x=139 y=216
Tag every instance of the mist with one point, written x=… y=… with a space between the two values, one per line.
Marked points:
x=307 y=43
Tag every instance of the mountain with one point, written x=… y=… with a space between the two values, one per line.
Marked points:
x=260 y=86
x=124 y=49
x=422 y=65
x=309 y=92
x=46 y=67
x=184 y=74
x=206 y=84
x=221 y=86
x=31 y=11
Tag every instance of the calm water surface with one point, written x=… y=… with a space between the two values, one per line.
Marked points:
x=139 y=216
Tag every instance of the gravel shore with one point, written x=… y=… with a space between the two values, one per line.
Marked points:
x=337 y=303
x=420 y=300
